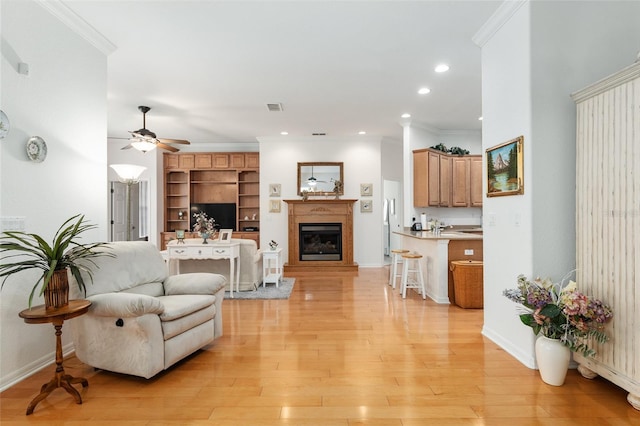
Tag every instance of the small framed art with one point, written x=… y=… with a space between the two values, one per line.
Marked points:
x=366 y=189
x=225 y=235
x=366 y=206
x=274 y=206
x=274 y=190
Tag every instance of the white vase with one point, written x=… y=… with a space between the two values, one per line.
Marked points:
x=553 y=360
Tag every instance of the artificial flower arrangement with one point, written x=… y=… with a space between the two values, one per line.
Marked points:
x=204 y=224
x=561 y=312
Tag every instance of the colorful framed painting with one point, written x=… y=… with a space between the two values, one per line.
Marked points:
x=505 y=168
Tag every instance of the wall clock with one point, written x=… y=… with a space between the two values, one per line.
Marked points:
x=36 y=149
x=4 y=124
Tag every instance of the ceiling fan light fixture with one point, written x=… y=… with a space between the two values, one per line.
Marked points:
x=143 y=145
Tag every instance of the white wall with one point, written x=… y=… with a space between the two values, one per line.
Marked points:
x=539 y=53
x=506 y=110
x=63 y=100
x=362 y=164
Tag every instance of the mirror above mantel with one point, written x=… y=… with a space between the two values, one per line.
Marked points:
x=320 y=178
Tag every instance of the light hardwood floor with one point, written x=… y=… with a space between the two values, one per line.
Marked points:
x=343 y=350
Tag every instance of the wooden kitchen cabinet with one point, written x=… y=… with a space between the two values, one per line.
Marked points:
x=442 y=180
x=444 y=176
x=475 y=183
x=460 y=178
x=426 y=178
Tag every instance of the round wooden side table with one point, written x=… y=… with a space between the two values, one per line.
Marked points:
x=40 y=315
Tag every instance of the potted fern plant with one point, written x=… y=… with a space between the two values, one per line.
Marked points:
x=53 y=260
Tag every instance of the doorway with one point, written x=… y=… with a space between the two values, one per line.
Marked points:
x=391 y=217
x=138 y=208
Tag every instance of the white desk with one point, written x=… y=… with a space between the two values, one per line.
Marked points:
x=271 y=266
x=194 y=249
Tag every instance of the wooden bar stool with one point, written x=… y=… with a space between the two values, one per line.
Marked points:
x=412 y=274
x=393 y=268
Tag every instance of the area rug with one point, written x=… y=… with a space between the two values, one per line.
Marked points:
x=283 y=291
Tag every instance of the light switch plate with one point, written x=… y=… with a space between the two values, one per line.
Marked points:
x=13 y=223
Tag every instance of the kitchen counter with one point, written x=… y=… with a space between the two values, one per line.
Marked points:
x=446 y=234
x=435 y=252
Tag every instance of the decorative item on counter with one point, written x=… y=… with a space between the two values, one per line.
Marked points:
x=305 y=195
x=204 y=226
x=273 y=245
x=180 y=214
x=254 y=216
x=337 y=188
x=180 y=236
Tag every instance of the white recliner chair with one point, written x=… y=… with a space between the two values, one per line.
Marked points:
x=141 y=320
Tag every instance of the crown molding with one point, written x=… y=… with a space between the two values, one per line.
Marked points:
x=621 y=77
x=81 y=27
x=500 y=17
x=424 y=126
x=477 y=132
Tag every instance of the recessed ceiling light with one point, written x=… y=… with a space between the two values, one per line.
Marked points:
x=424 y=90
x=362 y=132
x=405 y=115
x=442 y=68
x=480 y=118
x=284 y=133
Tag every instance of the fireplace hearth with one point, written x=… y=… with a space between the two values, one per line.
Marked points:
x=320 y=241
x=320 y=235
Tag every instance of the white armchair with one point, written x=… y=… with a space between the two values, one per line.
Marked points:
x=142 y=320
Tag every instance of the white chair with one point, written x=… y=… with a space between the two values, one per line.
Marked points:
x=412 y=274
x=396 y=260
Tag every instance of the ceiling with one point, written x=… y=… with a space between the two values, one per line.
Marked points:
x=209 y=68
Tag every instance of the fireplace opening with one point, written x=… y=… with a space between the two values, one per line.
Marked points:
x=320 y=241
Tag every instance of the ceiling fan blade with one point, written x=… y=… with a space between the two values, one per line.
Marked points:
x=167 y=147
x=179 y=141
x=127 y=147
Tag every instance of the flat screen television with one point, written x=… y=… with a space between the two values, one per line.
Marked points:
x=223 y=213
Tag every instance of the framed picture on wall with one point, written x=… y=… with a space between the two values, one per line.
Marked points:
x=274 y=206
x=274 y=190
x=505 y=174
x=366 y=189
x=366 y=206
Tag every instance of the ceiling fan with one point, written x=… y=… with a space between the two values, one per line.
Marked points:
x=312 y=181
x=145 y=140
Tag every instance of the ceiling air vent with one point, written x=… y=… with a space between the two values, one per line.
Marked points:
x=275 y=107
x=319 y=134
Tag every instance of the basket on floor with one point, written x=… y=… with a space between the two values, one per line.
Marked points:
x=468 y=283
